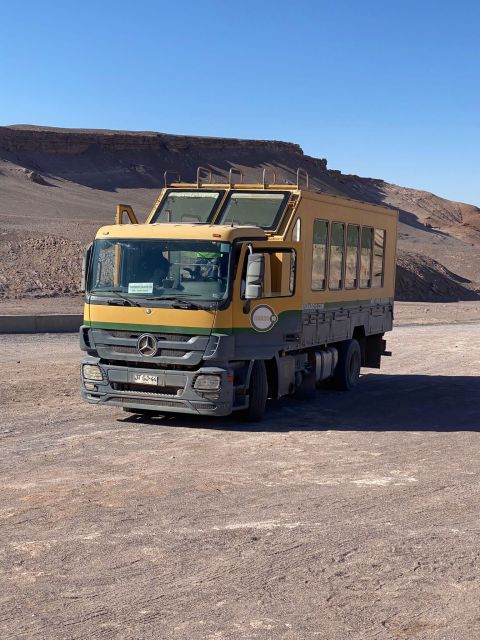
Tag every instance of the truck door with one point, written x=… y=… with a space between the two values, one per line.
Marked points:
x=266 y=324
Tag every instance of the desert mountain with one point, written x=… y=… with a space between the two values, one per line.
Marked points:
x=58 y=185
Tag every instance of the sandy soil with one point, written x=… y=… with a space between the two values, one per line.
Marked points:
x=352 y=517
x=49 y=306
x=418 y=313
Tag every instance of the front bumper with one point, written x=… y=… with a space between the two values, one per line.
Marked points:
x=174 y=393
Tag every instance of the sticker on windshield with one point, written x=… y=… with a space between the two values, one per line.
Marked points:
x=263 y=318
x=140 y=287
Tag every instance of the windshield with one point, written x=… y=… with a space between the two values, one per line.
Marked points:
x=259 y=209
x=187 y=206
x=193 y=270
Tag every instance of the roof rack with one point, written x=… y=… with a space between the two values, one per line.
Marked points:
x=205 y=176
x=199 y=176
x=176 y=173
x=300 y=172
x=264 y=177
x=231 y=172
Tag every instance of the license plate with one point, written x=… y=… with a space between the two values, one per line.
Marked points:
x=143 y=378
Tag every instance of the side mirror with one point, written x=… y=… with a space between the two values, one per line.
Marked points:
x=85 y=265
x=255 y=272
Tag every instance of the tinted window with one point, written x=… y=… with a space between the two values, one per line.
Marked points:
x=351 y=260
x=366 y=258
x=297 y=231
x=187 y=206
x=257 y=209
x=279 y=277
x=337 y=240
x=378 y=251
x=319 y=255
x=282 y=273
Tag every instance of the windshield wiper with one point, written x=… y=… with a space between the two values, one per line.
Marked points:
x=129 y=301
x=179 y=302
x=187 y=304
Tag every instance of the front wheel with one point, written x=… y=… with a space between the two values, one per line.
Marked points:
x=257 y=392
x=347 y=371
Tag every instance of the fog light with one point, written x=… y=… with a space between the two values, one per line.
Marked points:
x=211 y=396
x=90 y=386
x=92 y=372
x=207 y=383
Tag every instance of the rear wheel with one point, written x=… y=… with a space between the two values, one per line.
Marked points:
x=347 y=371
x=257 y=392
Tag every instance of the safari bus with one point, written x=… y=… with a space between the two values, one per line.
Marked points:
x=231 y=293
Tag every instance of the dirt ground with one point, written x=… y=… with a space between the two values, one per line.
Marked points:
x=48 y=306
x=352 y=517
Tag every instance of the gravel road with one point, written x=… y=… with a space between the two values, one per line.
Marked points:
x=355 y=516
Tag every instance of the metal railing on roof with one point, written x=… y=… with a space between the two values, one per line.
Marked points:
x=205 y=176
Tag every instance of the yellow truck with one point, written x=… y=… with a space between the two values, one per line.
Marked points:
x=230 y=294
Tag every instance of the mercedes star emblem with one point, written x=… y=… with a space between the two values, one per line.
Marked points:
x=147 y=345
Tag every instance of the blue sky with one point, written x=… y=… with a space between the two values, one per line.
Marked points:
x=381 y=89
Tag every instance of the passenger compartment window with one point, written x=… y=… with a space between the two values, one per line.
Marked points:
x=282 y=273
x=337 y=244
x=279 y=275
x=378 y=253
x=319 y=255
x=297 y=231
x=366 y=258
x=351 y=262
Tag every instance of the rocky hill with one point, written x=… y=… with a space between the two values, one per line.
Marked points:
x=58 y=185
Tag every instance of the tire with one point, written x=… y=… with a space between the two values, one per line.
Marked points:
x=347 y=371
x=258 y=393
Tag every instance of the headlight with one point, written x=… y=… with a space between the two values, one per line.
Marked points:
x=92 y=372
x=207 y=383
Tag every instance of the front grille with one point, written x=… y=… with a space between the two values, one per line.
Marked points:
x=166 y=353
x=157 y=403
x=171 y=403
x=204 y=405
x=124 y=349
x=172 y=337
x=171 y=353
x=178 y=350
x=145 y=389
x=141 y=364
